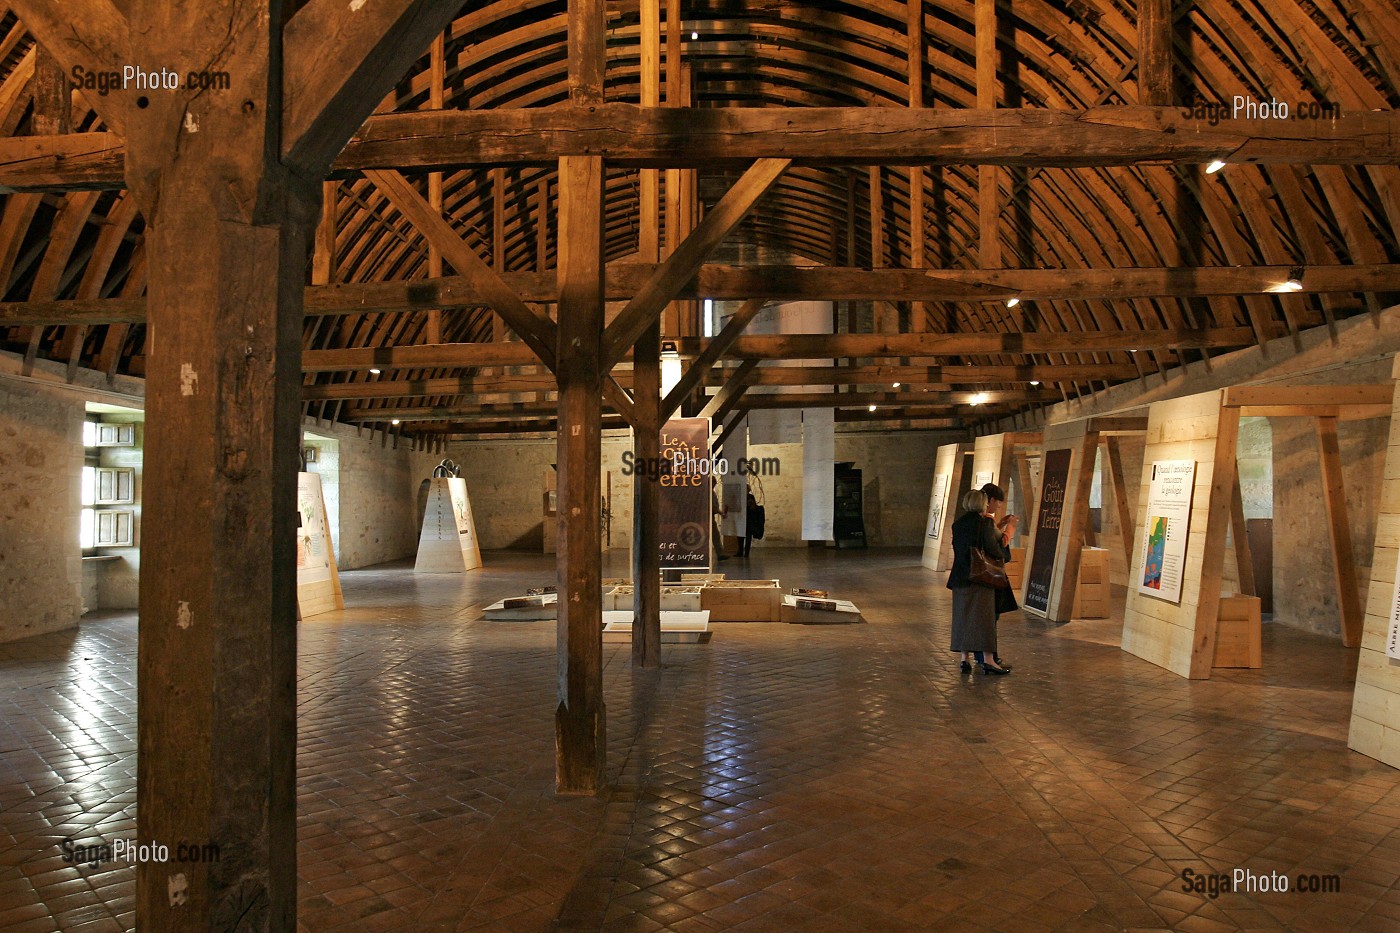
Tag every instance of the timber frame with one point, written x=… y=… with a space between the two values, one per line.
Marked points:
x=1074 y=193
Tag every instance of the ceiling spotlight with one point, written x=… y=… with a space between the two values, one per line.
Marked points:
x=395 y=421
x=694 y=35
x=1131 y=350
x=1035 y=382
x=1294 y=283
x=897 y=385
x=1214 y=167
x=981 y=398
x=375 y=371
x=872 y=407
x=1012 y=302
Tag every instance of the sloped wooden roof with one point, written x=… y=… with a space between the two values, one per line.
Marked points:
x=1058 y=54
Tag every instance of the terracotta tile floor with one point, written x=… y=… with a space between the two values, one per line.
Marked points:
x=779 y=778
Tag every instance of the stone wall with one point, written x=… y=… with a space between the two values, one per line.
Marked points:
x=506 y=483
x=41 y=461
x=377 y=491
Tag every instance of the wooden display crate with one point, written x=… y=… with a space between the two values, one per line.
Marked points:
x=1091 y=595
x=701 y=577
x=1239 y=636
x=673 y=599
x=838 y=612
x=742 y=600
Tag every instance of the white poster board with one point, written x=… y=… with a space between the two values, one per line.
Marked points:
x=818 y=474
x=1392 y=642
x=313 y=543
x=448 y=541
x=938 y=505
x=982 y=478
x=318 y=583
x=1165 y=530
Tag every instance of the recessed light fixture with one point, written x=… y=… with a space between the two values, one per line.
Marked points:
x=1012 y=302
x=1214 y=167
x=374 y=372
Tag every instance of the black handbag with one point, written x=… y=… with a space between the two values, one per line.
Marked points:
x=988 y=571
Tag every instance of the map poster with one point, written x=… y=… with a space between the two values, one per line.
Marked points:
x=938 y=505
x=1168 y=523
x=687 y=494
x=1054 y=479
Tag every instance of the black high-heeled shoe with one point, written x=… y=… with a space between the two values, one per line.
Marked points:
x=1000 y=663
x=966 y=667
x=988 y=669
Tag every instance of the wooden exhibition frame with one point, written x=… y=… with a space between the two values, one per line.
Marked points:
x=1375 y=711
x=1082 y=439
x=1205 y=428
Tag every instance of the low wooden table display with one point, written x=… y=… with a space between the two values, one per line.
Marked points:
x=742 y=600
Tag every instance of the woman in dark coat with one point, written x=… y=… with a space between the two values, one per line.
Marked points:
x=975 y=606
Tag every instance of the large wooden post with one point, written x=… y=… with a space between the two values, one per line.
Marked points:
x=646 y=390
x=580 y=738
x=227 y=239
x=579 y=722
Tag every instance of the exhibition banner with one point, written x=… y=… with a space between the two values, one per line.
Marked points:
x=1168 y=523
x=1054 y=479
x=447 y=543
x=313 y=539
x=687 y=496
x=938 y=505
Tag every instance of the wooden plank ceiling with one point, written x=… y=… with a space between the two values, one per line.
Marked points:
x=1072 y=241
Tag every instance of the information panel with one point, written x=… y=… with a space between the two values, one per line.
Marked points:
x=313 y=543
x=938 y=505
x=687 y=496
x=1054 y=478
x=1164 y=533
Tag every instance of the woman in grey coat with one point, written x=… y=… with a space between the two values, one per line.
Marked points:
x=974 y=604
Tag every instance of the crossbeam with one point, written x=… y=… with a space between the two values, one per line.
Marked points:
x=685 y=137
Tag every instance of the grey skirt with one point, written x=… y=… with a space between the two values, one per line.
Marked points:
x=974 y=618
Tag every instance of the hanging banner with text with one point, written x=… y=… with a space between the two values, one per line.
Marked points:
x=1168 y=523
x=1054 y=478
x=686 y=494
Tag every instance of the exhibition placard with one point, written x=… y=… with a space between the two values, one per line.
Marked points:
x=1392 y=641
x=1168 y=523
x=1054 y=479
x=687 y=496
x=982 y=478
x=313 y=541
x=938 y=505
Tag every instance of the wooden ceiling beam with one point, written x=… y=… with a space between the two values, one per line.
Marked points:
x=338 y=67
x=662 y=137
x=92 y=35
x=797 y=347
x=662 y=286
x=785 y=283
